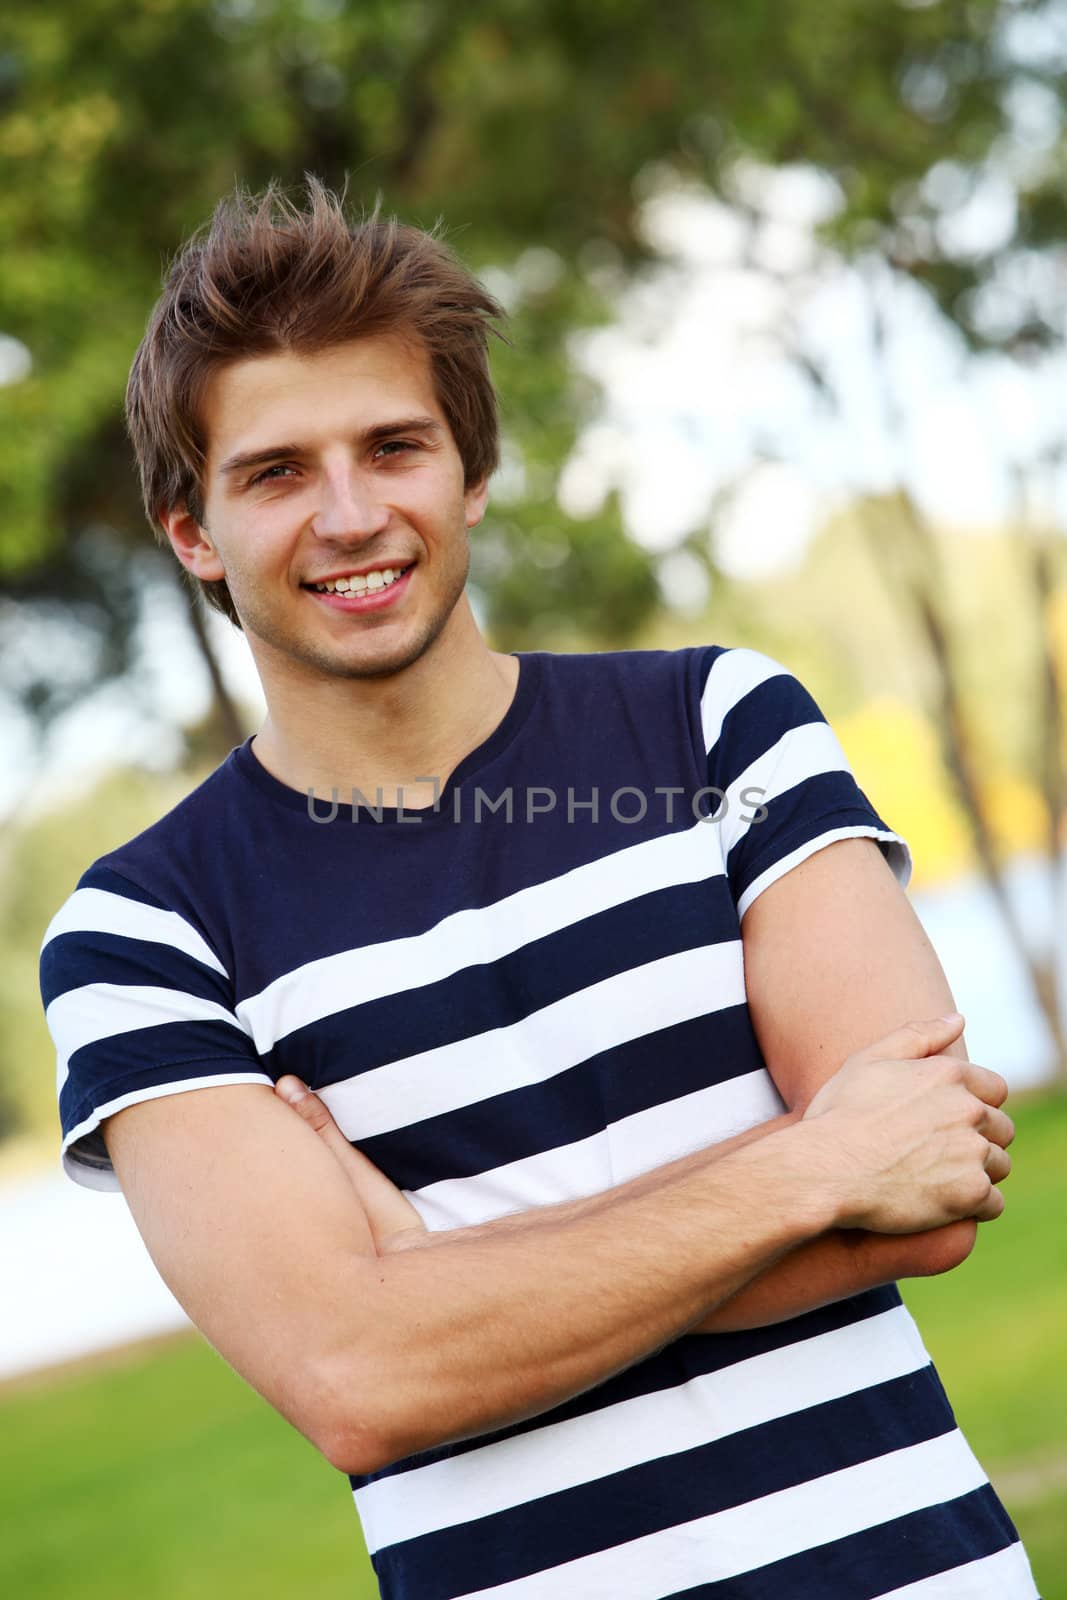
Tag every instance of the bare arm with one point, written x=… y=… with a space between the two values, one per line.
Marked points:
x=251 y=1222
x=374 y=1352
x=835 y=956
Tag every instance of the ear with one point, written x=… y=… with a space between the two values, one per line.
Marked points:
x=475 y=499
x=191 y=544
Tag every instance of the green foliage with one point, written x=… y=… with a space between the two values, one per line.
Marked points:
x=39 y=867
x=523 y=123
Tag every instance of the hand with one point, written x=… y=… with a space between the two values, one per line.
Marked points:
x=394 y=1222
x=919 y=1140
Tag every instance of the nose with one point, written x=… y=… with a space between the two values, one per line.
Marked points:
x=348 y=506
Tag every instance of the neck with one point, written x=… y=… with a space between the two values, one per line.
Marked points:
x=382 y=735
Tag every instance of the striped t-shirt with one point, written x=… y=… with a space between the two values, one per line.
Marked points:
x=528 y=993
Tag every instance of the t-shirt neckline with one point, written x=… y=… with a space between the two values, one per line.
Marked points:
x=248 y=765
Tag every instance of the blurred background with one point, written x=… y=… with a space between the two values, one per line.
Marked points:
x=787 y=361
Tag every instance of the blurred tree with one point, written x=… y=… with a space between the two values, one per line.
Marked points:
x=535 y=128
x=527 y=124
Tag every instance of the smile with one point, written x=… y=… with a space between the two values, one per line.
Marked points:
x=361 y=582
x=366 y=591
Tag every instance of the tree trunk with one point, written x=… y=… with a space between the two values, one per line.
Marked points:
x=921 y=582
x=226 y=717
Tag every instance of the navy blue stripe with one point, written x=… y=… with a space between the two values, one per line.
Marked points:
x=658 y=1494
x=73 y=960
x=497 y=994
x=151 y=1056
x=102 y=877
x=879 y=1560
x=572 y=1105
x=757 y=722
x=707 y=656
x=813 y=807
x=689 y=1357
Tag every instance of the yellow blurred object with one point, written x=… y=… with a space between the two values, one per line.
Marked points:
x=1016 y=813
x=895 y=755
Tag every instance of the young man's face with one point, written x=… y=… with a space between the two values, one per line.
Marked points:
x=339 y=467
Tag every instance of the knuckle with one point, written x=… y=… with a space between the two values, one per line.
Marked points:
x=978 y=1111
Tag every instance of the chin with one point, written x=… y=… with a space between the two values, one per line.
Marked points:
x=384 y=660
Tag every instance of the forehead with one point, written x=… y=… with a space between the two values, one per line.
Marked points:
x=258 y=401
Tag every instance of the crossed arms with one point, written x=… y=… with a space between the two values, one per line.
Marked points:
x=294 y=1256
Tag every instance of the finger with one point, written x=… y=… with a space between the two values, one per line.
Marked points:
x=988 y=1086
x=997 y=1163
x=997 y=1126
x=914 y=1040
x=991 y=1207
x=312 y=1110
x=296 y=1093
x=387 y=1209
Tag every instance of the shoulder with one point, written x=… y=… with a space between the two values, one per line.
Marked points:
x=746 y=694
x=154 y=885
x=642 y=673
x=182 y=845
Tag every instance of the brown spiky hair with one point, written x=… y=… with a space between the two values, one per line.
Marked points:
x=271 y=273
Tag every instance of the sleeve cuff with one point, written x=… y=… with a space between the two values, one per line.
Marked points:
x=894 y=848
x=84 y=1155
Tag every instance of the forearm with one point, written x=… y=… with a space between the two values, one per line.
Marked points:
x=483 y=1326
x=646 y=1183
x=842 y=1262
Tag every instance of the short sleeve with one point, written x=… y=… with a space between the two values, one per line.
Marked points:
x=787 y=789
x=138 y=1006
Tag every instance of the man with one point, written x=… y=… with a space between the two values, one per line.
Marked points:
x=581 y=957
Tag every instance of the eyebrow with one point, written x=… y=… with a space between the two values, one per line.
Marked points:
x=246 y=460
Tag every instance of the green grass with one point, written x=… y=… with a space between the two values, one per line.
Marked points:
x=164 y=1478
x=168 y=1477
x=997 y=1330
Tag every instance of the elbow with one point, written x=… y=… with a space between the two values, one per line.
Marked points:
x=336 y=1410
x=354 y=1426
x=357 y=1448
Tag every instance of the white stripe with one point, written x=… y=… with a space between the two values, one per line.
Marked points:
x=99 y=911
x=93 y=1177
x=733 y=1542
x=1003 y=1576
x=799 y=754
x=628 y=1005
x=899 y=859
x=477 y=935
x=614 y=1154
x=734 y=674
x=562 y=1455
x=103 y=1010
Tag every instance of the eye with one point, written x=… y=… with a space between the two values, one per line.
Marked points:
x=268 y=475
x=393 y=447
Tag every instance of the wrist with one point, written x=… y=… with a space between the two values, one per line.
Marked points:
x=794 y=1170
x=809 y=1159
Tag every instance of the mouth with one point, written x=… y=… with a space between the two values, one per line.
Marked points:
x=366 y=591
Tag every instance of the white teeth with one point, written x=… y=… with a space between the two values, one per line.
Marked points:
x=360 y=583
